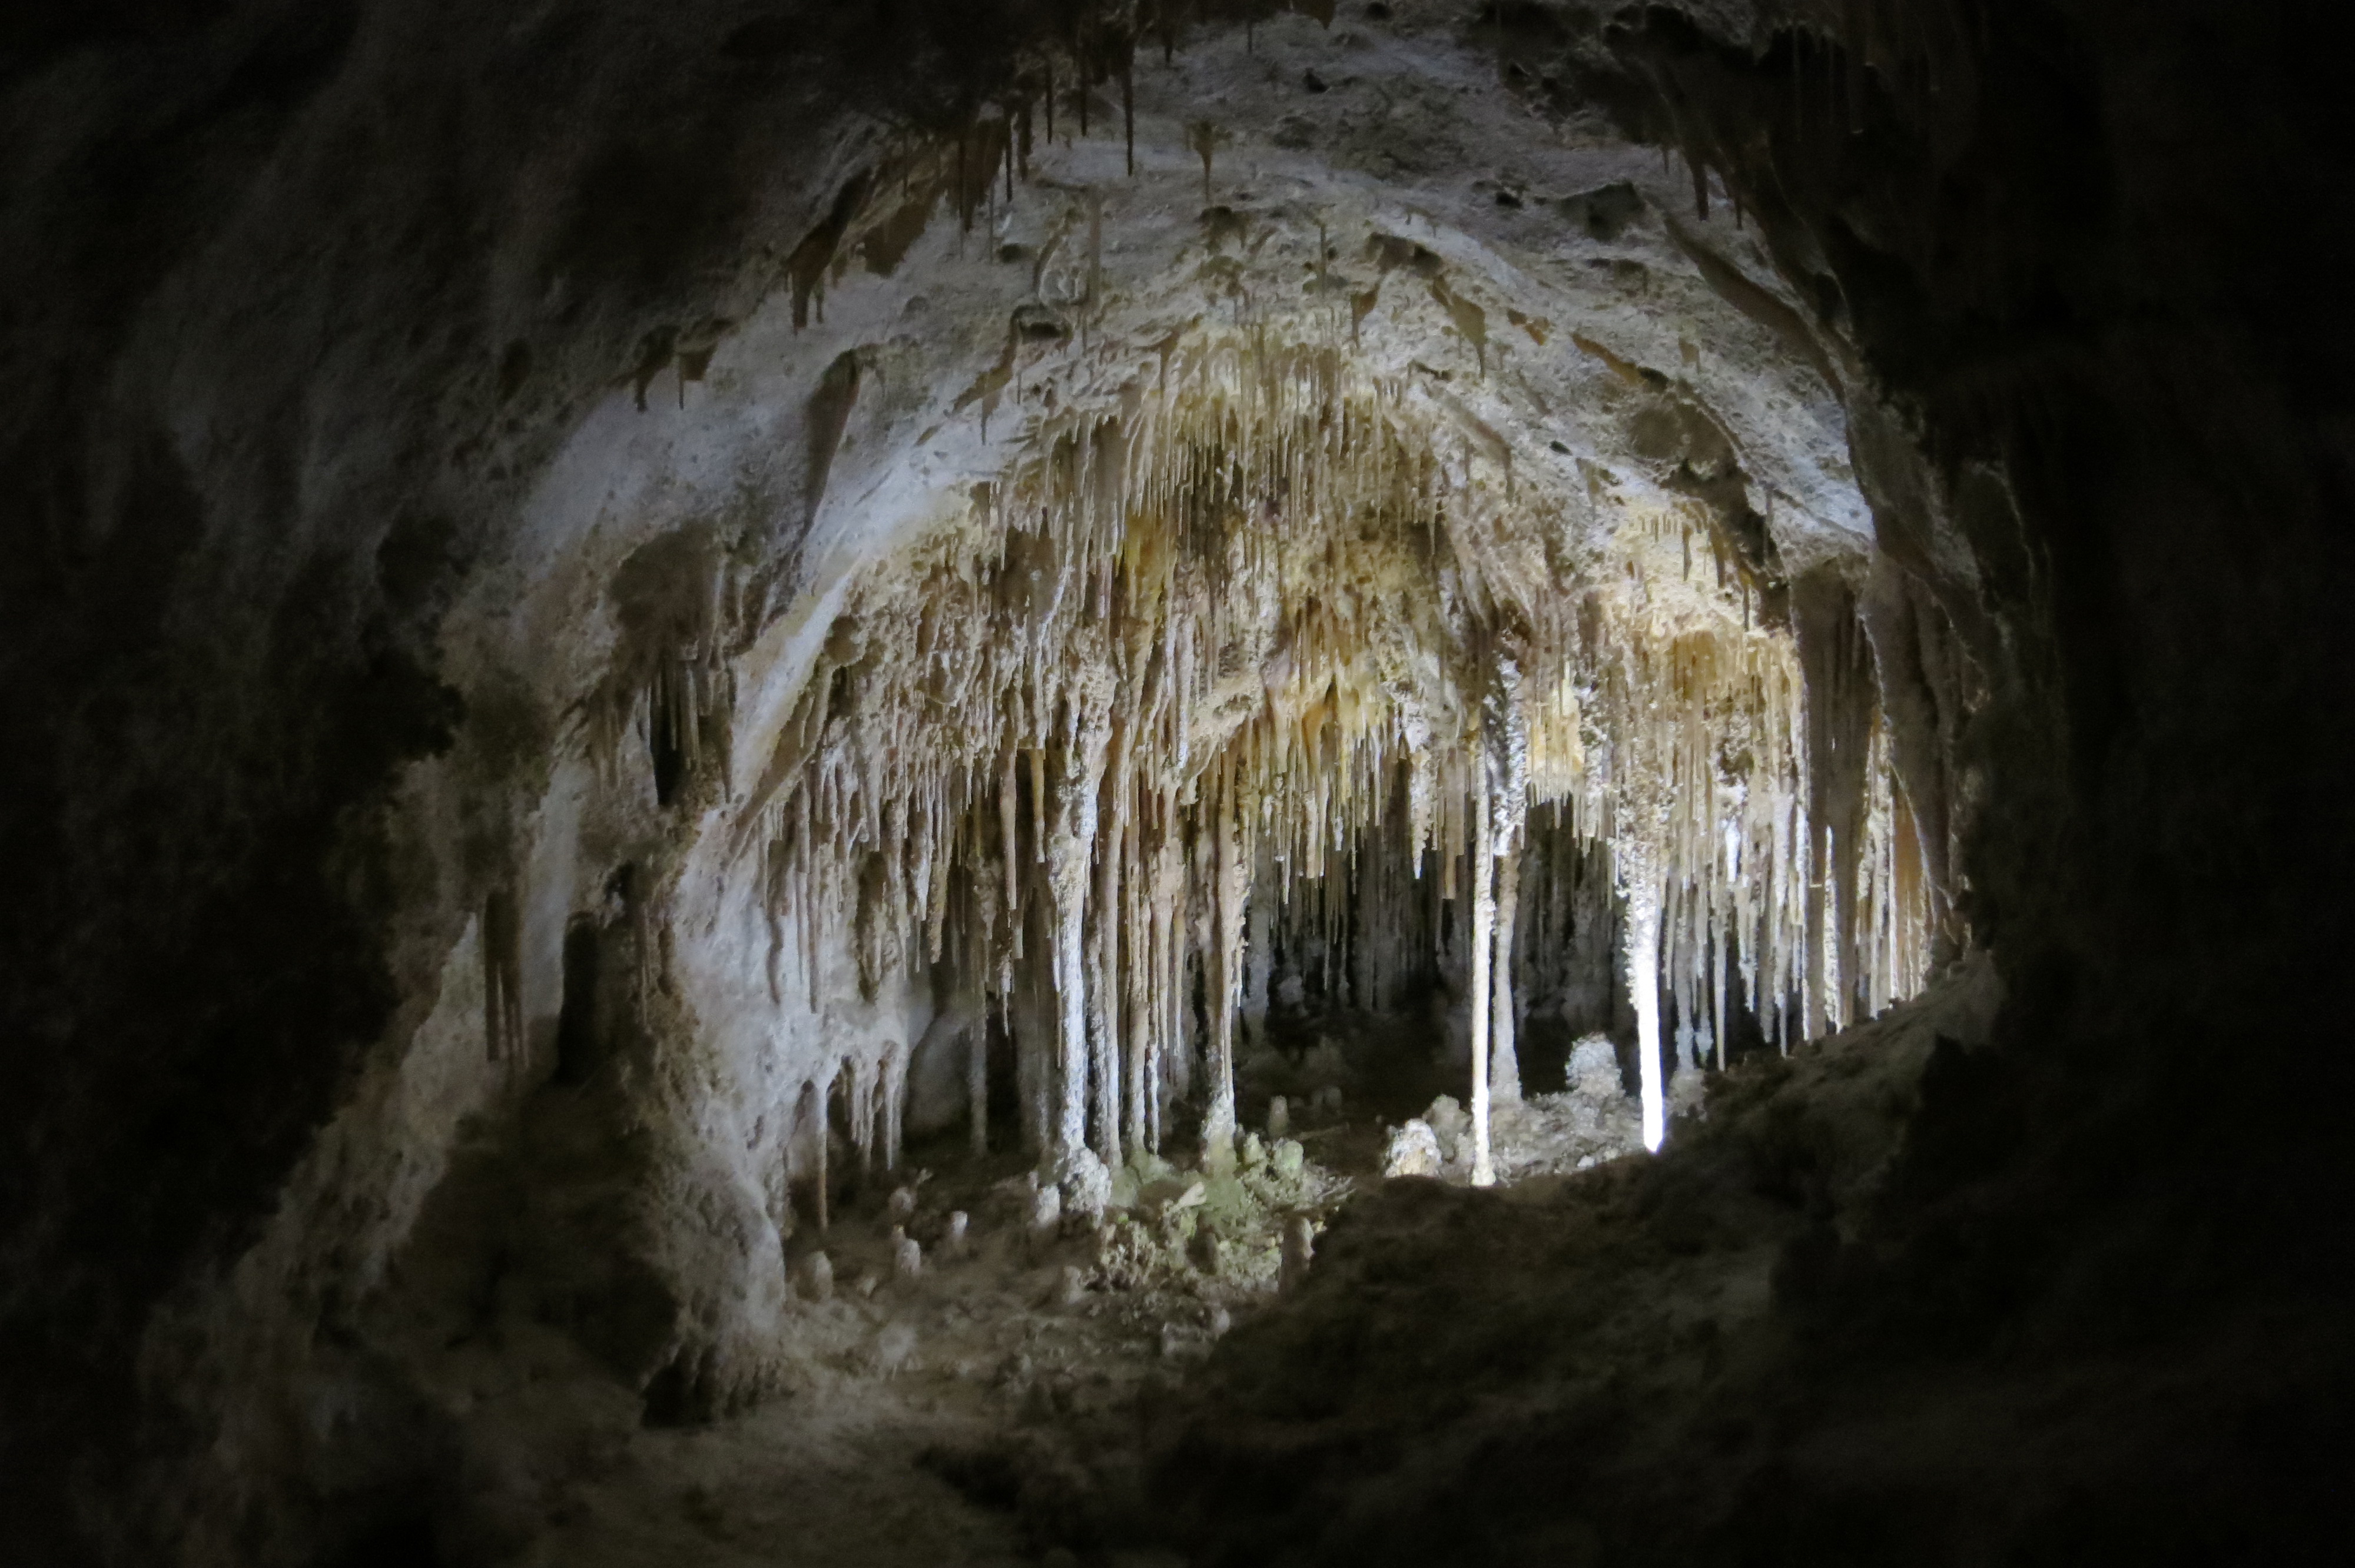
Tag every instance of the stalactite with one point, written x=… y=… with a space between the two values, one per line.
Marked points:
x=861 y=1105
x=893 y=1079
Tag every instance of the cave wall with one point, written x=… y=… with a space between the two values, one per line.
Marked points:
x=2102 y=435
x=307 y=327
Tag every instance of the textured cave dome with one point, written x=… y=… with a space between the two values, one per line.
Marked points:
x=512 y=509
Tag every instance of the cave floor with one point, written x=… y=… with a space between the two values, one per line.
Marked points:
x=1004 y=1398
x=888 y=1392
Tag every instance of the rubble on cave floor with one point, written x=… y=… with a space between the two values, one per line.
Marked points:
x=1585 y=1125
x=973 y=1409
x=1371 y=1099
x=981 y=1395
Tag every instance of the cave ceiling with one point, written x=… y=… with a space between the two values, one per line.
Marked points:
x=1321 y=269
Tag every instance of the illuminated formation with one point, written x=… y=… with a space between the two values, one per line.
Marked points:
x=1258 y=641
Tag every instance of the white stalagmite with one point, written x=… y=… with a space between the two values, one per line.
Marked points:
x=1643 y=982
x=1484 y=924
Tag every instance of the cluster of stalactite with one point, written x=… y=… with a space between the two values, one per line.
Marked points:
x=1261 y=628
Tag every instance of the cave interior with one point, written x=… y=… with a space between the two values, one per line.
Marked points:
x=1144 y=782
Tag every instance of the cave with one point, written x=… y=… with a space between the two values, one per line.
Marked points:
x=1154 y=782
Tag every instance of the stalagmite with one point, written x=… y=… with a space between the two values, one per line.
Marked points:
x=1483 y=922
x=817 y=1277
x=1086 y=1184
x=1045 y=1214
x=1412 y=1150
